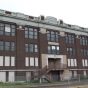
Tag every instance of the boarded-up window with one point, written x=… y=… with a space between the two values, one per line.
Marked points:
x=26 y=61
x=7 y=61
x=1 y=60
x=31 y=61
x=36 y=61
x=12 y=61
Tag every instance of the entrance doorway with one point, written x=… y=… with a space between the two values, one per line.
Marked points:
x=51 y=62
x=55 y=75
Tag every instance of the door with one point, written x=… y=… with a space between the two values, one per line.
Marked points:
x=56 y=76
x=11 y=77
x=2 y=76
x=28 y=76
x=51 y=63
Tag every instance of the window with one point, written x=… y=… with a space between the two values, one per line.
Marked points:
x=57 y=49
x=7 y=46
x=1 y=29
x=53 y=49
x=13 y=30
x=26 y=61
x=84 y=52
x=35 y=33
x=68 y=62
x=31 y=61
x=36 y=48
x=75 y=62
x=71 y=51
x=12 y=61
x=84 y=62
x=1 y=60
x=7 y=29
x=31 y=47
x=72 y=62
x=83 y=40
x=52 y=36
x=1 y=45
x=7 y=61
x=57 y=36
x=84 y=72
x=26 y=32
x=31 y=33
x=48 y=35
x=70 y=38
x=26 y=47
x=36 y=61
x=12 y=46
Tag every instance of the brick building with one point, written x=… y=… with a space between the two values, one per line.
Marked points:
x=39 y=46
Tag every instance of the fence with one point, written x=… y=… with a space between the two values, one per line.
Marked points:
x=74 y=78
x=65 y=78
x=19 y=79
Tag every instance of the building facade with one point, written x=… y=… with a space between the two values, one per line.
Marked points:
x=41 y=47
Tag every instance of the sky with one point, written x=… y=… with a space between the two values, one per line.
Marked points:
x=70 y=11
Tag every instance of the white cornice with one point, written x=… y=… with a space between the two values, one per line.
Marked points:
x=48 y=20
x=42 y=25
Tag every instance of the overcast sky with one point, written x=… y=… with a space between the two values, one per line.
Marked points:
x=73 y=12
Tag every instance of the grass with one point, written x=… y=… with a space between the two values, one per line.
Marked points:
x=18 y=83
x=28 y=83
x=33 y=83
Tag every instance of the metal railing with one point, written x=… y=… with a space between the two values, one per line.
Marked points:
x=46 y=69
x=57 y=66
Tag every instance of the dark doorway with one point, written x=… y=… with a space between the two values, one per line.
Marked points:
x=55 y=75
x=51 y=62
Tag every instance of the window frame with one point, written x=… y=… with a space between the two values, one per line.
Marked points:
x=52 y=36
x=31 y=33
